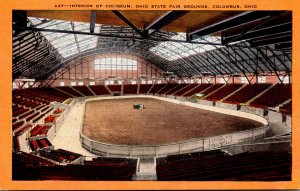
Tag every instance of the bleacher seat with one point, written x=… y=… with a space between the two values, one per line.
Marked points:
x=185 y=89
x=156 y=88
x=130 y=88
x=274 y=96
x=247 y=93
x=196 y=90
x=177 y=88
x=247 y=166
x=223 y=92
x=84 y=90
x=99 y=90
x=69 y=90
x=144 y=88
x=60 y=155
x=211 y=89
x=114 y=88
x=167 y=88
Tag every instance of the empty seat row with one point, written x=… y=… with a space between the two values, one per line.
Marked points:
x=223 y=92
x=60 y=155
x=244 y=166
x=274 y=96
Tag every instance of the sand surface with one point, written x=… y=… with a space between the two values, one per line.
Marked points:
x=115 y=121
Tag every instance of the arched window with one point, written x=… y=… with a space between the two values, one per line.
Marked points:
x=115 y=64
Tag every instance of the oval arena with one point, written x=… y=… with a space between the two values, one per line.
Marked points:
x=161 y=95
x=112 y=127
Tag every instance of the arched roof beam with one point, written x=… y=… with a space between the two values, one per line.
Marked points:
x=123 y=18
x=237 y=20
x=235 y=63
x=164 y=20
x=270 y=63
x=279 y=59
x=278 y=30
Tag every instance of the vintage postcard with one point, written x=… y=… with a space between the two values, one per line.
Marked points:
x=149 y=95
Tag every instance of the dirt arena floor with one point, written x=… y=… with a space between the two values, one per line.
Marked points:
x=115 y=121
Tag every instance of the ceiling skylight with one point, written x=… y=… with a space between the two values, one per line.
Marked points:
x=176 y=50
x=67 y=44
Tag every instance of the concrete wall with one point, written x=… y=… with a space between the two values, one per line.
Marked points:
x=205 y=102
x=276 y=117
x=257 y=111
x=227 y=105
x=289 y=121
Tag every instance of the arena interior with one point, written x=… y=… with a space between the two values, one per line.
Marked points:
x=152 y=95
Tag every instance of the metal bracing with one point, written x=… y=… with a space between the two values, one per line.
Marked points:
x=279 y=59
x=260 y=59
x=241 y=70
x=242 y=59
x=123 y=18
x=93 y=21
x=240 y=19
x=49 y=45
x=112 y=35
x=61 y=71
x=29 y=51
x=275 y=40
x=203 y=64
x=222 y=62
x=163 y=20
x=252 y=59
x=272 y=65
x=75 y=37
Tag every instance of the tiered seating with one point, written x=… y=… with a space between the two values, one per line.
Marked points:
x=19 y=110
x=130 y=88
x=274 y=96
x=287 y=108
x=74 y=172
x=17 y=125
x=69 y=90
x=29 y=160
x=223 y=92
x=212 y=88
x=114 y=88
x=41 y=95
x=197 y=155
x=99 y=90
x=50 y=119
x=156 y=88
x=32 y=116
x=35 y=171
x=44 y=109
x=40 y=130
x=84 y=90
x=16 y=143
x=185 y=89
x=60 y=96
x=39 y=144
x=22 y=116
x=60 y=155
x=58 y=111
x=198 y=89
x=20 y=131
x=259 y=166
x=144 y=88
x=167 y=88
x=247 y=93
x=13 y=120
x=180 y=86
